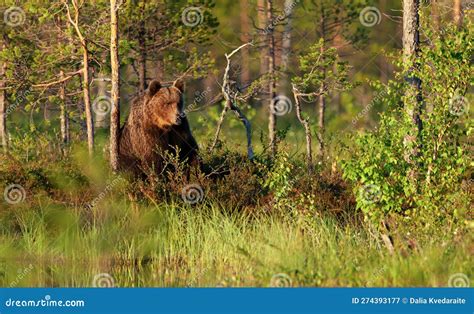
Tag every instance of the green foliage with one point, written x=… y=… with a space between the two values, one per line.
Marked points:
x=379 y=167
x=321 y=66
x=279 y=181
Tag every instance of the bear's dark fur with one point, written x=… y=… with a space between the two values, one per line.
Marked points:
x=156 y=124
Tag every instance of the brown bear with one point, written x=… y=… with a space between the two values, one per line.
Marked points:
x=156 y=124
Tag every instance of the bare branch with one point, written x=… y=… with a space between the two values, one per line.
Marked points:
x=230 y=103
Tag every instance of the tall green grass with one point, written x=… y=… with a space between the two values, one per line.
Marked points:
x=173 y=244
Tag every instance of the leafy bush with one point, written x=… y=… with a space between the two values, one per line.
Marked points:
x=379 y=167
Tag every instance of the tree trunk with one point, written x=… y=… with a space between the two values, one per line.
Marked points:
x=286 y=42
x=64 y=118
x=262 y=24
x=141 y=59
x=457 y=12
x=272 y=80
x=3 y=106
x=245 y=38
x=413 y=98
x=322 y=97
x=115 y=93
x=87 y=100
x=307 y=131
x=74 y=21
x=435 y=15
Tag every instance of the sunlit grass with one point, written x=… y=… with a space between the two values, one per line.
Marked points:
x=180 y=245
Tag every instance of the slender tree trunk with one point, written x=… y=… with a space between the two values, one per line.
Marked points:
x=307 y=131
x=115 y=64
x=87 y=100
x=64 y=118
x=245 y=38
x=286 y=42
x=141 y=58
x=272 y=81
x=435 y=14
x=457 y=13
x=74 y=21
x=3 y=106
x=262 y=24
x=413 y=98
x=322 y=97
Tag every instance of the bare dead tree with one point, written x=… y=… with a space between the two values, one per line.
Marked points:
x=230 y=97
x=115 y=93
x=305 y=122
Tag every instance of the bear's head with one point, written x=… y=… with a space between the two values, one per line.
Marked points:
x=164 y=105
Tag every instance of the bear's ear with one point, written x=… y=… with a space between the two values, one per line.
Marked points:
x=154 y=87
x=179 y=84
